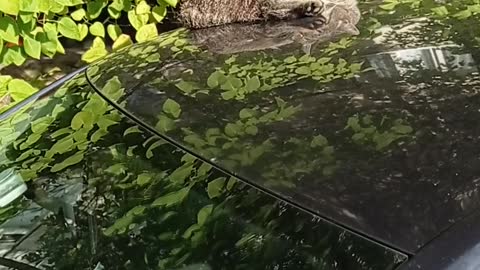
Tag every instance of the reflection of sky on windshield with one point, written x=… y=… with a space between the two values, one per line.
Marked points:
x=441 y=58
x=469 y=261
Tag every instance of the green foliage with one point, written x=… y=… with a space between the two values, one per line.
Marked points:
x=35 y=29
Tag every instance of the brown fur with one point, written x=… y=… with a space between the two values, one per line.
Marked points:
x=208 y=13
x=234 y=38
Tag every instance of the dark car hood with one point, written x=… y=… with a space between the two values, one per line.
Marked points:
x=376 y=133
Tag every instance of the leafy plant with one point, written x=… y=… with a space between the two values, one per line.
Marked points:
x=33 y=29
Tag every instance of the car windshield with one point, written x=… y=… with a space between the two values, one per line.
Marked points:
x=373 y=132
x=84 y=187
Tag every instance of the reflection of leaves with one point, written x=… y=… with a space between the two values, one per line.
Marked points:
x=82 y=119
x=367 y=132
x=68 y=162
x=172 y=198
x=319 y=141
x=203 y=214
x=172 y=108
x=121 y=224
x=116 y=169
x=112 y=89
x=180 y=174
x=215 y=79
x=146 y=32
x=215 y=187
x=164 y=124
x=186 y=87
x=143 y=179
x=253 y=84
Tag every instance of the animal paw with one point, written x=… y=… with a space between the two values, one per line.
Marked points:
x=313 y=8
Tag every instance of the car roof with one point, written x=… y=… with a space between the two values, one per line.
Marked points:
x=375 y=137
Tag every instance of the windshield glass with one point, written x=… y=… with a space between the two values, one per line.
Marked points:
x=371 y=131
x=84 y=187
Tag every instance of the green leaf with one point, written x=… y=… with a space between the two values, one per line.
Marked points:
x=26 y=25
x=32 y=47
x=402 y=129
x=137 y=21
x=172 y=3
x=112 y=89
x=104 y=122
x=304 y=70
x=61 y=132
x=180 y=174
x=164 y=124
x=389 y=6
x=97 y=135
x=83 y=30
x=29 y=5
x=215 y=79
x=41 y=125
x=246 y=113
x=172 y=108
x=114 y=12
x=33 y=138
x=94 y=8
x=143 y=179
x=132 y=130
x=9 y=29
x=121 y=42
x=159 y=13
x=172 y=198
x=95 y=52
x=11 y=7
x=149 y=152
x=56 y=7
x=204 y=169
x=229 y=95
x=440 y=11
x=146 y=32
x=78 y=157
x=203 y=214
x=464 y=14
x=253 y=84
x=114 y=31
x=231 y=183
x=97 y=29
x=12 y=55
x=62 y=146
x=48 y=40
x=68 y=28
x=78 y=14
x=290 y=60
x=142 y=8
x=319 y=141
x=68 y=2
x=190 y=231
x=153 y=58
x=116 y=169
x=215 y=187
x=20 y=89
x=232 y=83
x=252 y=130
x=186 y=87
x=231 y=130
x=82 y=119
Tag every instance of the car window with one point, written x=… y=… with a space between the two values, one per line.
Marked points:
x=103 y=193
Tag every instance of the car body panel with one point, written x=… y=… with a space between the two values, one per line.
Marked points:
x=111 y=194
x=377 y=152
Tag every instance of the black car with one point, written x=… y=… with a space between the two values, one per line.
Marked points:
x=179 y=154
